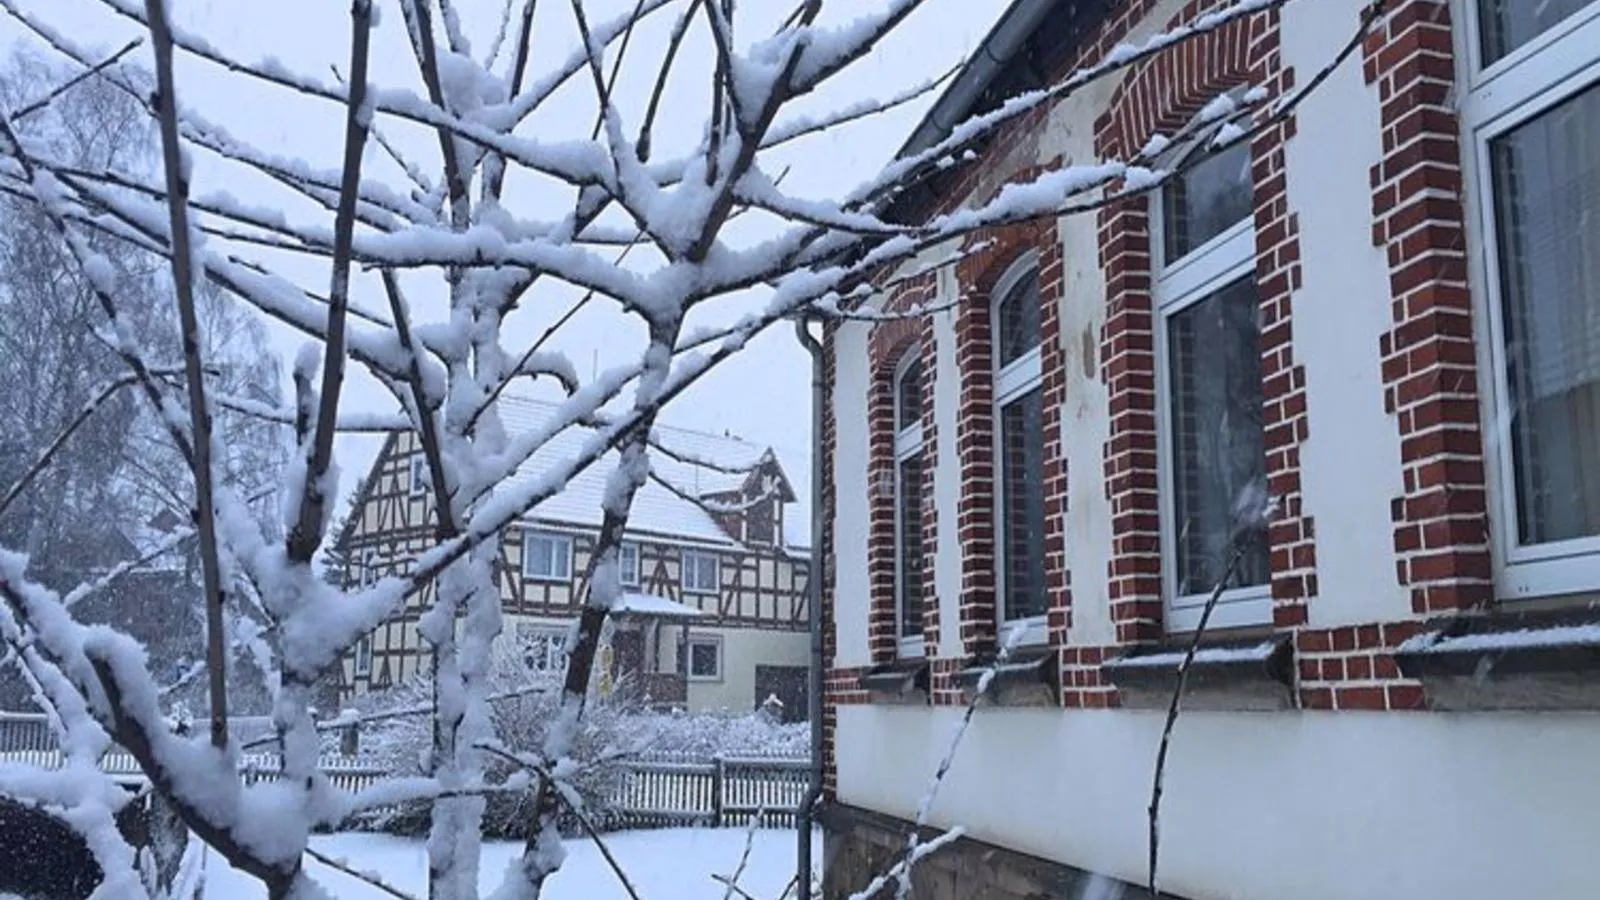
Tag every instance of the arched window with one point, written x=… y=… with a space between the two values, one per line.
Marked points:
x=910 y=546
x=1016 y=320
x=1208 y=355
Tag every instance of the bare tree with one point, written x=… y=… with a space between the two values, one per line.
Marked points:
x=493 y=260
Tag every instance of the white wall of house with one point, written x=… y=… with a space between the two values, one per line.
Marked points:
x=1313 y=806
x=742 y=650
x=1350 y=464
x=851 y=498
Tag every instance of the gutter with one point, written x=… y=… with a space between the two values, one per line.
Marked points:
x=1002 y=42
x=807 y=811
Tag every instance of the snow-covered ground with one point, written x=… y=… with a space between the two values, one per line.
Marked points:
x=670 y=864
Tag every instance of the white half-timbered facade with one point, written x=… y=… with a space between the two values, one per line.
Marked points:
x=714 y=608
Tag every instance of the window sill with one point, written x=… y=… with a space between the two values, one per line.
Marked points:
x=1234 y=676
x=1029 y=677
x=902 y=682
x=546 y=579
x=1515 y=661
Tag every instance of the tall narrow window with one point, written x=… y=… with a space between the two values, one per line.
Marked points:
x=1213 y=454
x=1019 y=432
x=909 y=544
x=1537 y=137
x=363 y=665
x=628 y=564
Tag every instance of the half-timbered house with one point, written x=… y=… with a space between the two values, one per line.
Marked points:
x=713 y=613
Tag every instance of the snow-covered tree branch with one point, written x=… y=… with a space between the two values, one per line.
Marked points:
x=431 y=281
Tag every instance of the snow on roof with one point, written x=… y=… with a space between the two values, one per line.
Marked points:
x=651 y=605
x=656 y=510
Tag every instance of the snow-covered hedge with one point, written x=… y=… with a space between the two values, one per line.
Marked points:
x=396 y=735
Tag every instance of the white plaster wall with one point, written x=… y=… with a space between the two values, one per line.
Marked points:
x=1313 y=806
x=947 y=472
x=851 y=524
x=1085 y=426
x=742 y=650
x=1350 y=466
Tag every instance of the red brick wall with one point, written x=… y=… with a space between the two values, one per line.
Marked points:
x=1430 y=376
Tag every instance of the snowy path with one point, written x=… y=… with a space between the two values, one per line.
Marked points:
x=672 y=864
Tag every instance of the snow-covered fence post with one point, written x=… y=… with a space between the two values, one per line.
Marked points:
x=719 y=791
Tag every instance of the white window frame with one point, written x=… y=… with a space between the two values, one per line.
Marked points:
x=1176 y=285
x=1516 y=89
x=713 y=640
x=561 y=541
x=698 y=587
x=908 y=442
x=362 y=667
x=628 y=575
x=1012 y=382
x=419 y=475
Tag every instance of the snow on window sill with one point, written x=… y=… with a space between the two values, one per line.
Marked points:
x=1255 y=675
x=1508 y=662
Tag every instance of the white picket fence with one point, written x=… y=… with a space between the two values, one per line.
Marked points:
x=651 y=792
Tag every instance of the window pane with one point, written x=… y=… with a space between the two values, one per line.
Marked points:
x=908 y=396
x=1017 y=328
x=628 y=563
x=1547 y=193
x=909 y=583
x=1217 y=445
x=1205 y=201
x=703 y=659
x=1508 y=24
x=1022 y=505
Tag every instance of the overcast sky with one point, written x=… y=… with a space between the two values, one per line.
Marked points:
x=762 y=394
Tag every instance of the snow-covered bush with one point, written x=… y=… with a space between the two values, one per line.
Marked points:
x=617 y=728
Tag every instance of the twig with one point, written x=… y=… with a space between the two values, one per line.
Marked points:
x=200 y=415
x=353 y=872
x=744 y=858
x=83 y=415
x=1172 y=711
x=548 y=783
x=76 y=80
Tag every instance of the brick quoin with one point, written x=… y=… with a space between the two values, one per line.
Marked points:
x=1430 y=377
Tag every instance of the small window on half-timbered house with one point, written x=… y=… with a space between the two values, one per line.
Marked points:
x=628 y=564
x=700 y=573
x=1016 y=319
x=909 y=546
x=1208 y=361
x=544 y=647
x=363 y=666
x=705 y=658
x=419 y=475
x=546 y=556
